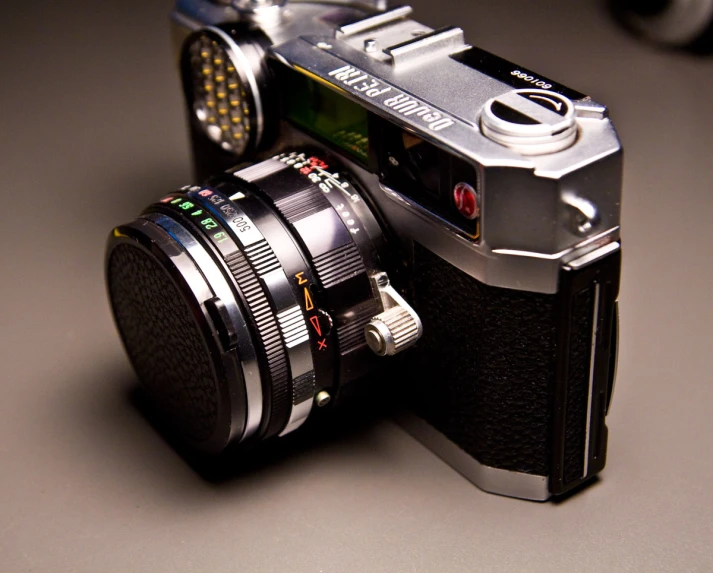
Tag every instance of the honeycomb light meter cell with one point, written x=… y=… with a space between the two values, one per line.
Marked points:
x=221 y=100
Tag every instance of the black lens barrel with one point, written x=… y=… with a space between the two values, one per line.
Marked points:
x=320 y=204
x=286 y=249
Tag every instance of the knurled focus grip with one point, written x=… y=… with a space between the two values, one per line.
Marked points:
x=335 y=257
x=275 y=356
x=338 y=265
x=397 y=328
x=301 y=205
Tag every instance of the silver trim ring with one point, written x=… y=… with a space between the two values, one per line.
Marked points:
x=615 y=358
x=590 y=385
x=219 y=285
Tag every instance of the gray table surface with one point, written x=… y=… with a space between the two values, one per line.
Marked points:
x=91 y=129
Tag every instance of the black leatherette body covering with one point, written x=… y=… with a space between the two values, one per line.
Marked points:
x=484 y=367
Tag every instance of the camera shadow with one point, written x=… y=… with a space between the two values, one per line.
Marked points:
x=347 y=428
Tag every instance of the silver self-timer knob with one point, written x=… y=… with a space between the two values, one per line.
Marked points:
x=531 y=122
x=397 y=327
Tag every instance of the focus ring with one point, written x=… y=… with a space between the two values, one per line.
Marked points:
x=301 y=205
x=262 y=258
x=339 y=265
x=335 y=266
x=270 y=335
x=326 y=215
x=278 y=179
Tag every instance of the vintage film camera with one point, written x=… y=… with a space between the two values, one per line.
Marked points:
x=374 y=187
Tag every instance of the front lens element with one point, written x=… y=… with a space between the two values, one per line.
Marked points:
x=239 y=301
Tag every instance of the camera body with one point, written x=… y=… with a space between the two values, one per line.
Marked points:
x=501 y=190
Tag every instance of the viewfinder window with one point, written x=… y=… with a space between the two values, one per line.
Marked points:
x=326 y=114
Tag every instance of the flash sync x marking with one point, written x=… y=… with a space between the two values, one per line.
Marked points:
x=382 y=209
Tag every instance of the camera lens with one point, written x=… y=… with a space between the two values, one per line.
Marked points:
x=240 y=301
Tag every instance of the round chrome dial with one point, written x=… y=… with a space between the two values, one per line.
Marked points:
x=531 y=122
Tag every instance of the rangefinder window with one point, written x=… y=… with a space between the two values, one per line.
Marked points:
x=420 y=162
x=435 y=179
x=325 y=113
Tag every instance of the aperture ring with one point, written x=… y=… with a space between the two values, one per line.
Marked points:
x=262 y=258
x=306 y=326
x=234 y=214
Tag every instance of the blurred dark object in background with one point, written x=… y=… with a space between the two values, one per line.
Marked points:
x=686 y=24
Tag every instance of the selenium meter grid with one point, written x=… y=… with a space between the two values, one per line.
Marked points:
x=220 y=99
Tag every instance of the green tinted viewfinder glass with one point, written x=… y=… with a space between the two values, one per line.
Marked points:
x=327 y=114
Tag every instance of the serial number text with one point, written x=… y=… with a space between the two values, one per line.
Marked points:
x=524 y=76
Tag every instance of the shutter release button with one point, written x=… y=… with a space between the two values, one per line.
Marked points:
x=531 y=122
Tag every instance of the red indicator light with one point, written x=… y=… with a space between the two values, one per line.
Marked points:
x=466 y=201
